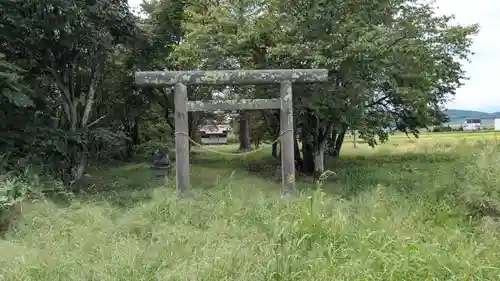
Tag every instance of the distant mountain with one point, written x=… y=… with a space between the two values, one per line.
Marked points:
x=458 y=116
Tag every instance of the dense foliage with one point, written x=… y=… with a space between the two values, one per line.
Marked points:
x=67 y=95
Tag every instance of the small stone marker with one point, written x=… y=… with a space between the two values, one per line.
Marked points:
x=284 y=77
x=161 y=165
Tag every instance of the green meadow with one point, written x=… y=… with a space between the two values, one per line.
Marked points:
x=411 y=209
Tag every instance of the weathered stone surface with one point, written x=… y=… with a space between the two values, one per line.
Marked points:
x=180 y=79
x=287 y=140
x=231 y=77
x=161 y=160
x=161 y=164
x=181 y=140
x=243 y=104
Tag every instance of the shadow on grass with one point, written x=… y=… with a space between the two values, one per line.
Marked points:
x=128 y=184
x=354 y=174
x=121 y=185
x=406 y=173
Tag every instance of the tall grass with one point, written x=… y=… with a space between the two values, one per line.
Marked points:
x=428 y=214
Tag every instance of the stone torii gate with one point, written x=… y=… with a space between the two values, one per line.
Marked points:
x=180 y=79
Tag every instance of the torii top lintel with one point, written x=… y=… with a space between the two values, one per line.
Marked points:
x=231 y=77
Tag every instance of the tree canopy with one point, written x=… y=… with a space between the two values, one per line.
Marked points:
x=68 y=98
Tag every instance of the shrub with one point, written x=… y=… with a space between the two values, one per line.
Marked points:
x=437 y=129
x=232 y=139
x=16 y=188
x=479 y=188
x=13 y=191
x=440 y=129
x=146 y=150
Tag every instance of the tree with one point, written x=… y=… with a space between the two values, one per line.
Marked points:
x=392 y=63
x=68 y=43
x=11 y=86
x=204 y=46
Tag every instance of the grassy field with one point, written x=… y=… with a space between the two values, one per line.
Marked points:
x=410 y=209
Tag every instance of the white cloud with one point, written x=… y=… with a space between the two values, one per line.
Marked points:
x=480 y=91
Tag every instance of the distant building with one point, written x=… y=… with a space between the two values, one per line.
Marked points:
x=473 y=125
x=214 y=134
x=497 y=124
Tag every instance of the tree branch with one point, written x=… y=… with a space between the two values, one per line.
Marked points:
x=94 y=84
x=379 y=101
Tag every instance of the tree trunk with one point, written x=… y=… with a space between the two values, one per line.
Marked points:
x=244 y=133
x=257 y=142
x=77 y=106
x=296 y=149
x=256 y=137
x=78 y=171
x=274 y=150
x=133 y=133
x=331 y=144
x=297 y=156
x=354 y=139
x=313 y=162
x=308 y=160
x=319 y=161
x=338 y=144
x=192 y=129
x=129 y=149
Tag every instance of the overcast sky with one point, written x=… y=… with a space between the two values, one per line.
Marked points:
x=478 y=93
